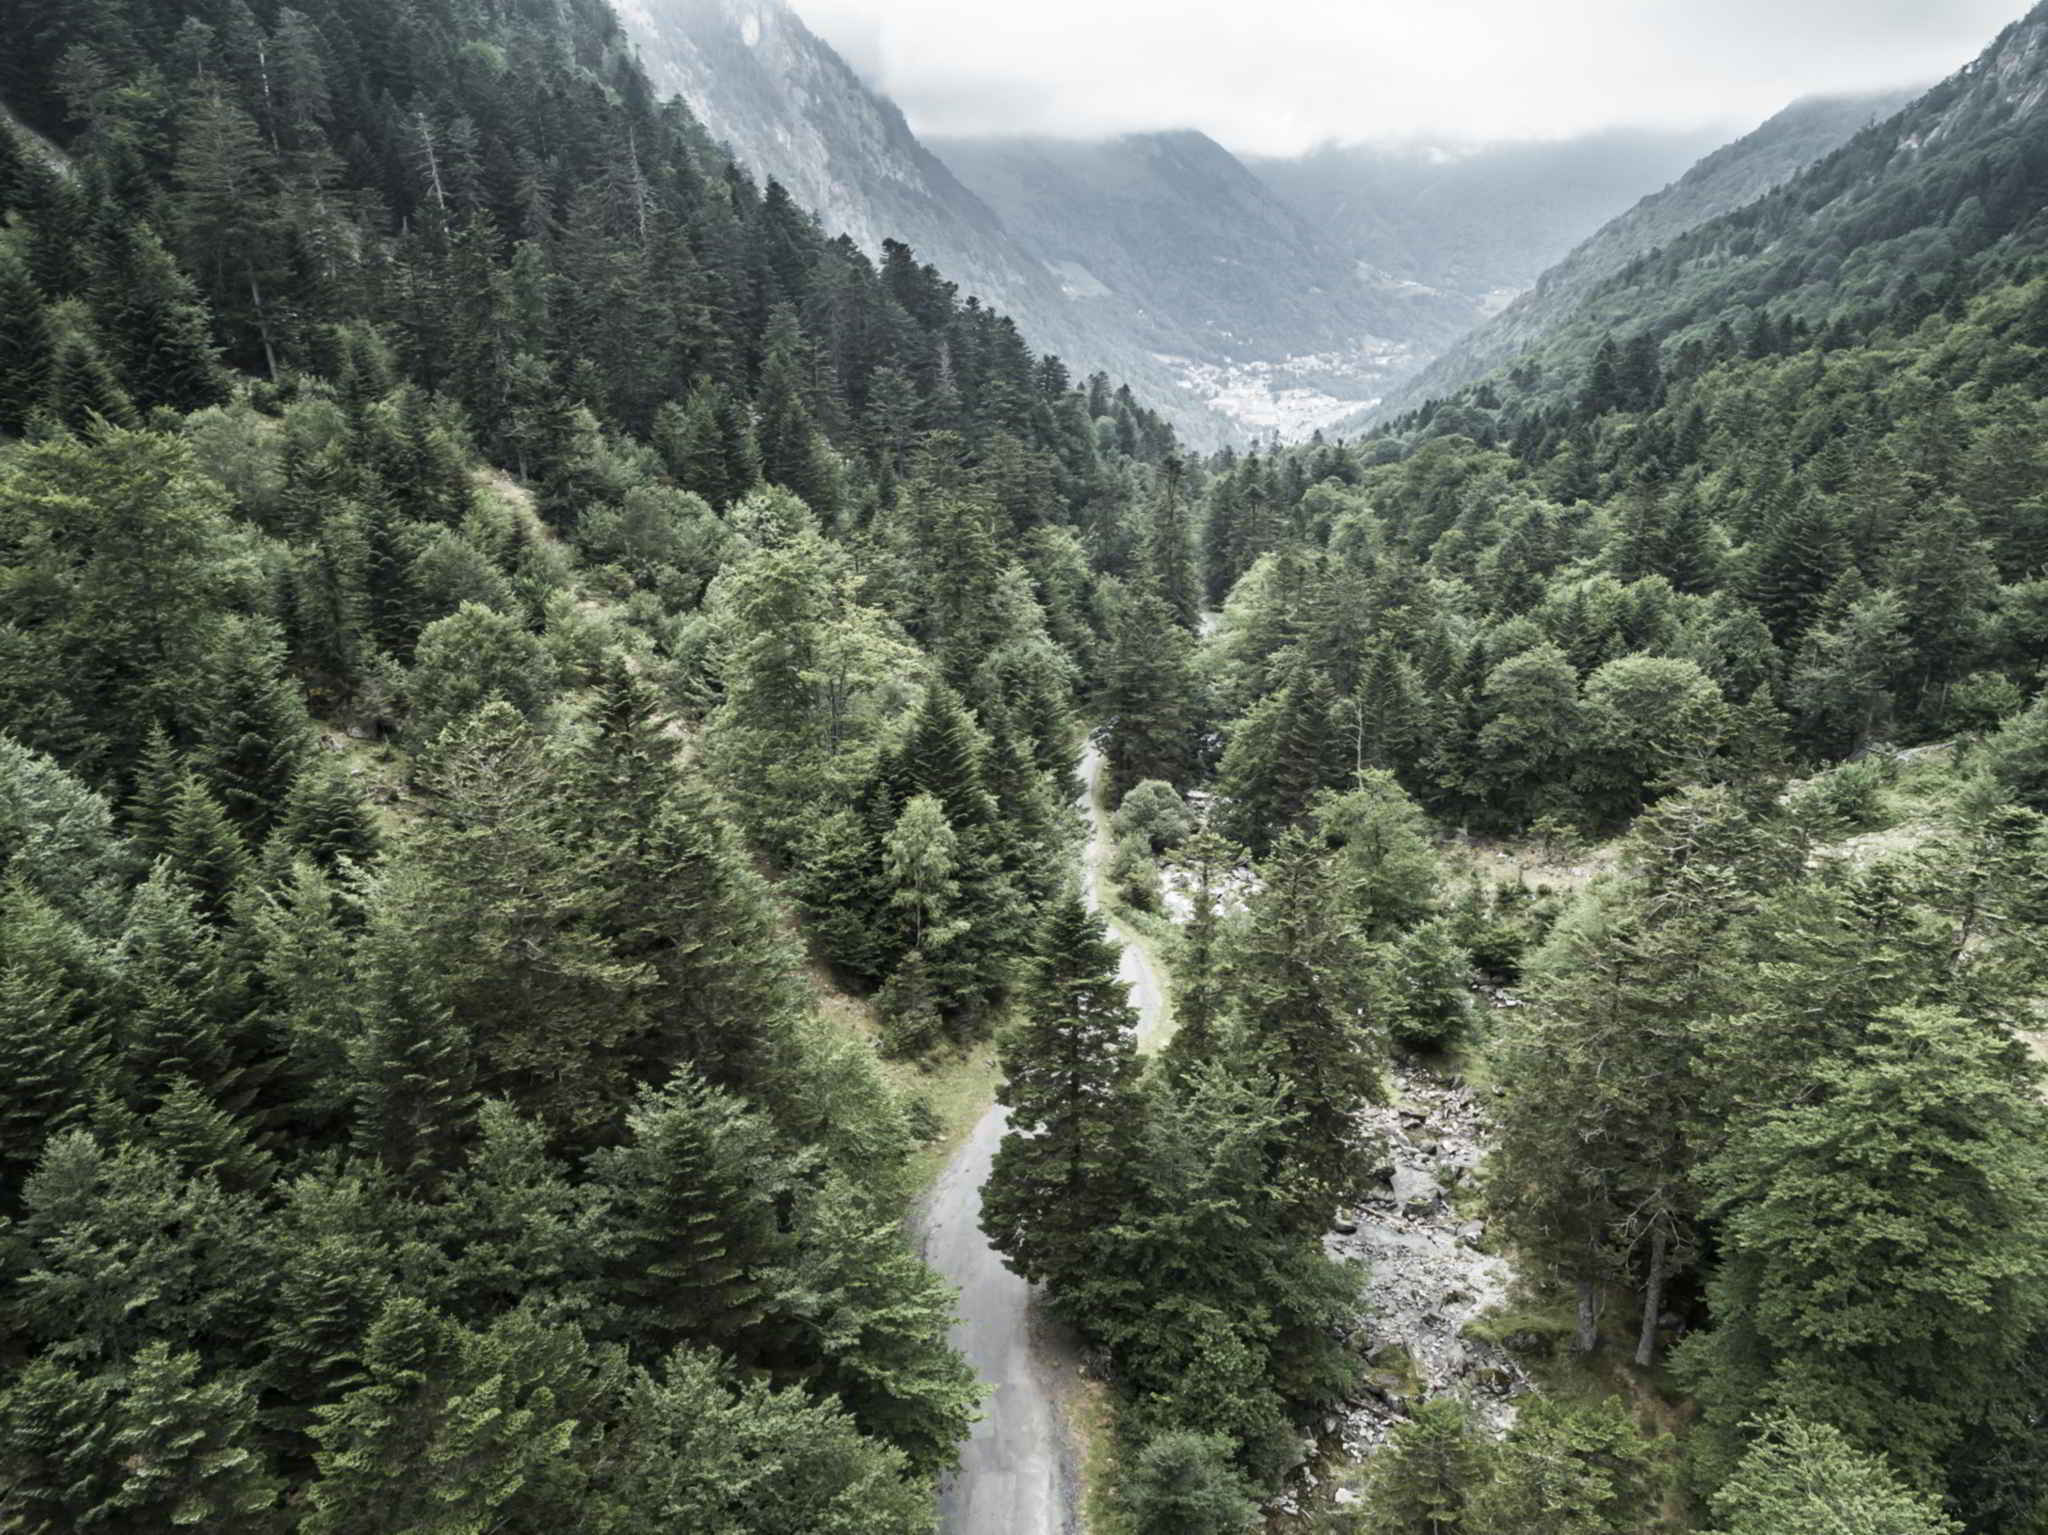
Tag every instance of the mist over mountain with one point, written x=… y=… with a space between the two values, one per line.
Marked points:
x=1245 y=297
x=1729 y=178
x=1478 y=222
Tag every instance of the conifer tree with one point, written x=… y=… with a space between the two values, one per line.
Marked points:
x=1169 y=550
x=1929 y=1126
x=151 y=1447
x=84 y=393
x=1306 y=1001
x=691 y=1211
x=1280 y=756
x=28 y=347
x=1184 y=1484
x=1566 y=1471
x=1425 y=1476
x=158 y=328
x=1070 y=1074
x=1808 y=1476
x=1200 y=990
x=1149 y=696
x=454 y=1429
x=698 y=1450
x=56 y=1035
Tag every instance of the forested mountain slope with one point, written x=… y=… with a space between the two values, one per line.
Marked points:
x=456 y=532
x=1908 y=210
x=793 y=110
x=1237 y=299
x=1727 y=179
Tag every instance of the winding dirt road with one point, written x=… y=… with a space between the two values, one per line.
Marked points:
x=1019 y=1473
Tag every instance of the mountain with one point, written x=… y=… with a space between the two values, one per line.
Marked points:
x=1475 y=224
x=761 y=82
x=1731 y=177
x=1256 y=304
x=1240 y=298
x=794 y=111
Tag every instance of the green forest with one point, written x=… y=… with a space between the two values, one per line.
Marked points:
x=541 y=707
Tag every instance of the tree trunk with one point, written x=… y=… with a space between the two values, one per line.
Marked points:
x=1589 y=1317
x=263 y=328
x=1653 y=1299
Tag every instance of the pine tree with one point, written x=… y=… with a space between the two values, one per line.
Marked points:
x=1280 y=756
x=691 y=1210
x=453 y=1429
x=1200 y=990
x=56 y=991
x=84 y=394
x=157 y=327
x=1797 y=556
x=1169 y=550
x=1808 y=1476
x=1566 y=1471
x=28 y=346
x=1184 y=1484
x=1070 y=1073
x=1304 y=996
x=1385 y=867
x=1149 y=701
x=323 y=817
x=1427 y=1473
x=700 y=1451
x=875 y=1319
x=150 y=1447
x=254 y=734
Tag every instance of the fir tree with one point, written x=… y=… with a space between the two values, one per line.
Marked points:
x=1070 y=1073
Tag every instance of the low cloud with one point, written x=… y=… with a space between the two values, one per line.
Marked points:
x=1279 y=77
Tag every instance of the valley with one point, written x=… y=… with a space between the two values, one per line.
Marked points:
x=1243 y=296
x=719 y=813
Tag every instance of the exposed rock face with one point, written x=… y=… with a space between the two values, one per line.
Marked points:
x=761 y=81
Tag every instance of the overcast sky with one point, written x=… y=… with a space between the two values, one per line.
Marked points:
x=1278 y=76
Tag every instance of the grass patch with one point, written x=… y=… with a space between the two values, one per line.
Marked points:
x=958 y=1087
x=1092 y=1421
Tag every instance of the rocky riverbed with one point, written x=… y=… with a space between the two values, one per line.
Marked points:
x=1427 y=1277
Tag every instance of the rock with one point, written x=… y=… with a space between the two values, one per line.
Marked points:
x=1415 y=1191
x=1344 y=1496
x=1345 y=1228
x=1471 y=1232
x=1495 y=1379
x=359 y=733
x=1430 y=1148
